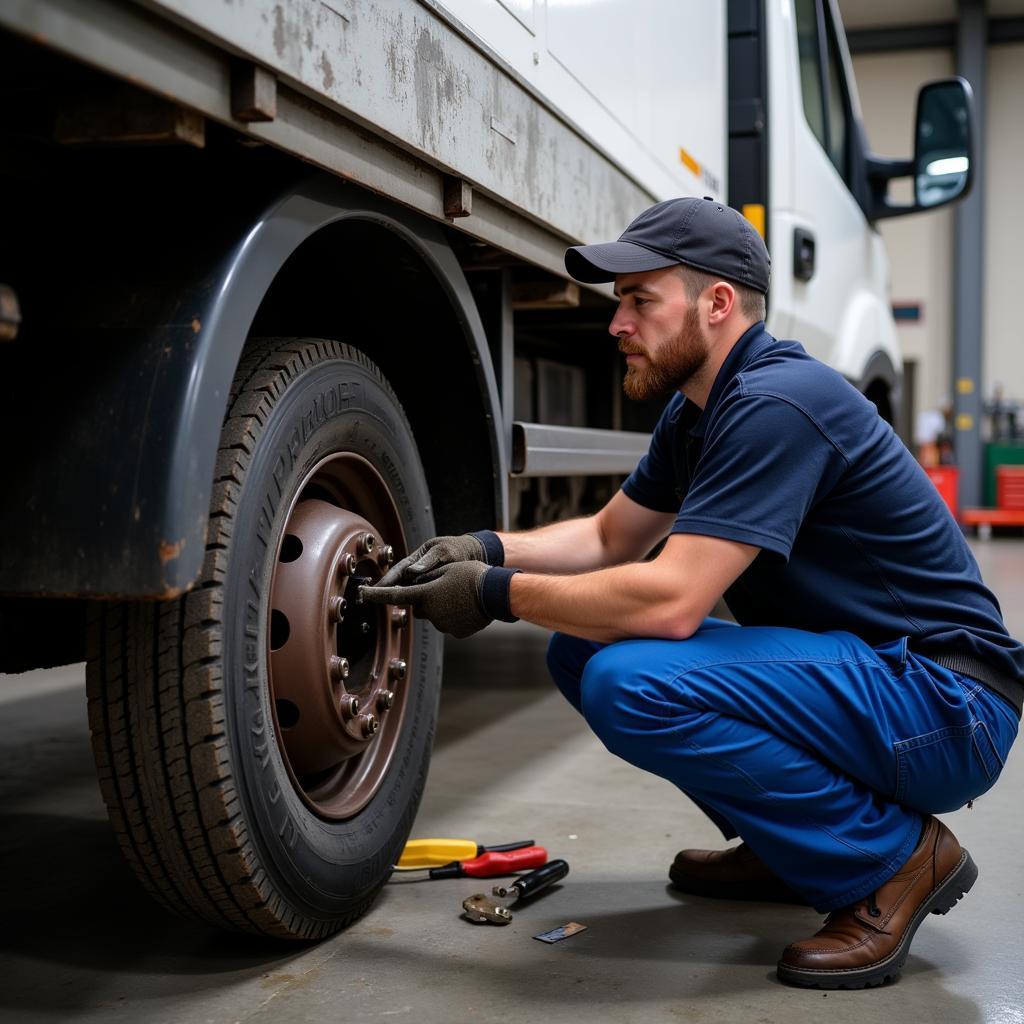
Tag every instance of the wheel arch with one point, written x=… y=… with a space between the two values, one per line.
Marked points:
x=277 y=265
x=882 y=383
x=406 y=304
x=140 y=449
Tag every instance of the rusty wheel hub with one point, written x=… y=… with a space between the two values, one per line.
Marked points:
x=337 y=666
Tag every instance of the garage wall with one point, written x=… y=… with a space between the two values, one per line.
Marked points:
x=920 y=247
x=1004 y=224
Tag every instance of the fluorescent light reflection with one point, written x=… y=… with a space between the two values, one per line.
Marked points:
x=950 y=165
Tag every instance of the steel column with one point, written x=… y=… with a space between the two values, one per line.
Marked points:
x=505 y=364
x=968 y=266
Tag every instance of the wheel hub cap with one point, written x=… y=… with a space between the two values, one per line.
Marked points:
x=337 y=665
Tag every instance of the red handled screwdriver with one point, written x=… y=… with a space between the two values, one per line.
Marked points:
x=488 y=865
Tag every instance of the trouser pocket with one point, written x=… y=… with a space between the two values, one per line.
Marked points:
x=942 y=770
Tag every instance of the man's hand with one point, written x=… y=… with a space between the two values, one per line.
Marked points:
x=459 y=598
x=483 y=546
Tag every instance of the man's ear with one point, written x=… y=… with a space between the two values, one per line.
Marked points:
x=723 y=300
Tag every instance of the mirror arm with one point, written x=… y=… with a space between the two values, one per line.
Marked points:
x=880 y=171
x=884 y=169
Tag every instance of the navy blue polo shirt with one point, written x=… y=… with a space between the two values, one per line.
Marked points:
x=790 y=457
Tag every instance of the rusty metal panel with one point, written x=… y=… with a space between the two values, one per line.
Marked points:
x=125 y=116
x=400 y=69
x=158 y=54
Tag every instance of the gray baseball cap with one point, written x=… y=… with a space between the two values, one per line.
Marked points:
x=702 y=233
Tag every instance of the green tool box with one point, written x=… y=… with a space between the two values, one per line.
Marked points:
x=1000 y=453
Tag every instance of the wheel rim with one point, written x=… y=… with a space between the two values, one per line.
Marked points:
x=337 y=668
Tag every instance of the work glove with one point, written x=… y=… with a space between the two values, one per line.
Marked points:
x=482 y=546
x=459 y=598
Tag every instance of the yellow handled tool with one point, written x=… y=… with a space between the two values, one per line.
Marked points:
x=429 y=853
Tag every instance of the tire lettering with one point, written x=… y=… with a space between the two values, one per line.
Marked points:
x=251 y=663
x=294 y=444
x=327 y=405
x=288 y=832
x=264 y=520
x=279 y=473
x=251 y=668
x=260 y=747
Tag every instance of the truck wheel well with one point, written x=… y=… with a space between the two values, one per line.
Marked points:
x=879 y=392
x=359 y=282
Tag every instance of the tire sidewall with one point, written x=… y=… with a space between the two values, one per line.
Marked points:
x=321 y=867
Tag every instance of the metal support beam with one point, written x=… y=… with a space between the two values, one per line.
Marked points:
x=894 y=38
x=542 y=450
x=505 y=365
x=253 y=92
x=937 y=35
x=968 y=265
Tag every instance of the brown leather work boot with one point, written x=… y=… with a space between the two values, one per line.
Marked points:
x=733 y=874
x=867 y=943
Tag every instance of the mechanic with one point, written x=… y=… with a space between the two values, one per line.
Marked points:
x=870 y=682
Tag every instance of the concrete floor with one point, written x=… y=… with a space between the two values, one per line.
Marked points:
x=80 y=941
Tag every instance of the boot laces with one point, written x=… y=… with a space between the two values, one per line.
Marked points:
x=873 y=909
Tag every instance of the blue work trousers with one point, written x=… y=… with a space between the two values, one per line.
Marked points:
x=822 y=752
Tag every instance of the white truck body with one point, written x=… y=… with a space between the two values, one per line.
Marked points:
x=646 y=82
x=578 y=114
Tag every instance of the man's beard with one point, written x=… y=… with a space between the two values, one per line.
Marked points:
x=678 y=361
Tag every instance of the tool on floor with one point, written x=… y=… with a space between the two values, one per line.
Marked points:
x=493 y=863
x=534 y=882
x=482 y=908
x=431 y=853
x=557 y=934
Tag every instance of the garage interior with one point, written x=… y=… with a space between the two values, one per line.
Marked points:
x=512 y=760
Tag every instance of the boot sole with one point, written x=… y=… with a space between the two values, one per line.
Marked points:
x=754 y=892
x=940 y=900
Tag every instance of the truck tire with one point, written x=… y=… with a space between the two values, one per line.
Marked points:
x=262 y=742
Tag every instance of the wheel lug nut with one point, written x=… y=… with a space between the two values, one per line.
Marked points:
x=385 y=699
x=337 y=608
x=366 y=543
x=387 y=554
x=349 y=705
x=348 y=564
x=339 y=667
x=397 y=668
x=369 y=724
x=399 y=616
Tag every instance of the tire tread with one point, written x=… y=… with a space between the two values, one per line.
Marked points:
x=156 y=699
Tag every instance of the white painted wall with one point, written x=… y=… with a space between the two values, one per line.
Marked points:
x=1004 y=224
x=920 y=247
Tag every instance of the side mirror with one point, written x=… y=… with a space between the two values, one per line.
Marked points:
x=942 y=148
x=942 y=165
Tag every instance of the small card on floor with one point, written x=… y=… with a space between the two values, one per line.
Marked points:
x=557 y=934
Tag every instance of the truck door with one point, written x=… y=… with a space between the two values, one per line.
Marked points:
x=838 y=262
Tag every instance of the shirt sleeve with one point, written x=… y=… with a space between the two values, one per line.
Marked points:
x=653 y=483
x=765 y=464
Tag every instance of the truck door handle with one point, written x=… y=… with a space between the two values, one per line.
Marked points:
x=803 y=254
